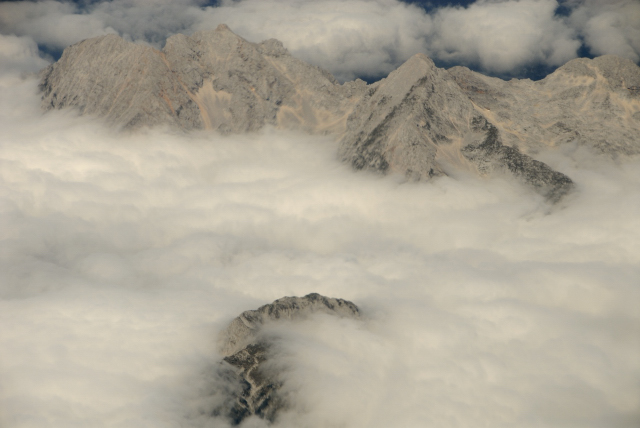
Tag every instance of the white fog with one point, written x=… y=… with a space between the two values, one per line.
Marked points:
x=123 y=255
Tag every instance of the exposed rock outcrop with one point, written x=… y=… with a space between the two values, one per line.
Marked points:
x=420 y=121
x=585 y=101
x=491 y=155
x=403 y=120
x=211 y=80
x=128 y=85
x=246 y=353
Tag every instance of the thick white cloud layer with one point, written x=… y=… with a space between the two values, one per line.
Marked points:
x=357 y=37
x=124 y=255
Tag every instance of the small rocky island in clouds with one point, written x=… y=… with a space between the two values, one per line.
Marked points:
x=254 y=384
x=421 y=120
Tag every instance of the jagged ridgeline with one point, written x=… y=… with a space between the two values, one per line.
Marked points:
x=256 y=385
x=421 y=120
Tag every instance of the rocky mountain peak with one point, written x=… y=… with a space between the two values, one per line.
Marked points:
x=224 y=28
x=402 y=120
x=247 y=353
x=243 y=329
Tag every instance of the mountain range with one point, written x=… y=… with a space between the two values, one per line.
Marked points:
x=421 y=121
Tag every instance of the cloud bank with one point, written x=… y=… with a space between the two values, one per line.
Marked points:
x=123 y=255
x=609 y=27
x=18 y=56
x=358 y=38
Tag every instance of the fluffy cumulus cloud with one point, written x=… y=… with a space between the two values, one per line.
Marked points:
x=123 y=256
x=356 y=38
x=18 y=55
x=609 y=27
x=53 y=24
x=350 y=38
x=503 y=36
x=147 y=21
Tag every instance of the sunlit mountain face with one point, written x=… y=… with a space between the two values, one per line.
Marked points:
x=126 y=254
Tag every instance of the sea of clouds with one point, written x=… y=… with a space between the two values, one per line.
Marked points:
x=357 y=38
x=123 y=255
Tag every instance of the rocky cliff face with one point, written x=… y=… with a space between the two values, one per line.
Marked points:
x=404 y=121
x=421 y=121
x=247 y=354
x=128 y=85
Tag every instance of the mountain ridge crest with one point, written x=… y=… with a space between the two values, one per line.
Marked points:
x=420 y=120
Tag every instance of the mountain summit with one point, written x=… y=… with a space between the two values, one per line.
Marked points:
x=421 y=120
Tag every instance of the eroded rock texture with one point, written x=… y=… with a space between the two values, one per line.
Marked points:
x=408 y=121
x=420 y=121
x=247 y=353
x=213 y=80
x=586 y=101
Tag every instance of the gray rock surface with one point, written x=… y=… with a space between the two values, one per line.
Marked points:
x=211 y=80
x=128 y=85
x=247 y=353
x=587 y=102
x=404 y=120
x=420 y=121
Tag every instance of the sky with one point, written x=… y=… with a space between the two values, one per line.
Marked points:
x=358 y=38
x=123 y=255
